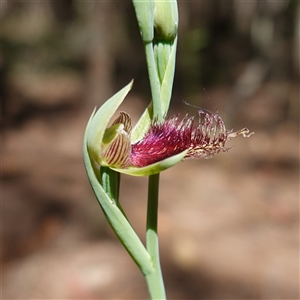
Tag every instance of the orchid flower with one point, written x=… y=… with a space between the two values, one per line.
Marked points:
x=161 y=146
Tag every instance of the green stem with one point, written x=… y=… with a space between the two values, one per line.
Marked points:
x=154 y=280
x=110 y=181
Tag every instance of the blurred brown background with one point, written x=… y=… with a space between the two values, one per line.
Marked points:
x=229 y=226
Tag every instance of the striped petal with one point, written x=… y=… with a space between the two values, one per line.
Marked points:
x=124 y=119
x=116 y=144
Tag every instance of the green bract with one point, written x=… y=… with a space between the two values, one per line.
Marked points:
x=145 y=16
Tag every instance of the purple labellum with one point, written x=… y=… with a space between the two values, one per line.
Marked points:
x=201 y=139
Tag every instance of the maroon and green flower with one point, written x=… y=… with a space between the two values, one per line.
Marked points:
x=163 y=144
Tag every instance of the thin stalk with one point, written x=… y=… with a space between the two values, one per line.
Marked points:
x=154 y=279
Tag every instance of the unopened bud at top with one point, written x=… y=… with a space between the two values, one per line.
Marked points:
x=165 y=19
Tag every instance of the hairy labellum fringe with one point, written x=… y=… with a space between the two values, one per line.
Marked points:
x=171 y=137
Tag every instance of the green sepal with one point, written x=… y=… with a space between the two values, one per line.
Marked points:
x=144 y=122
x=99 y=122
x=113 y=213
x=153 y=168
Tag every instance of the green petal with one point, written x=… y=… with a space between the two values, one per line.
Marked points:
x=154 y=168
x=141 y=127
x=99 y=121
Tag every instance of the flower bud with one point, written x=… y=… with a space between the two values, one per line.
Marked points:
x=165 y=20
